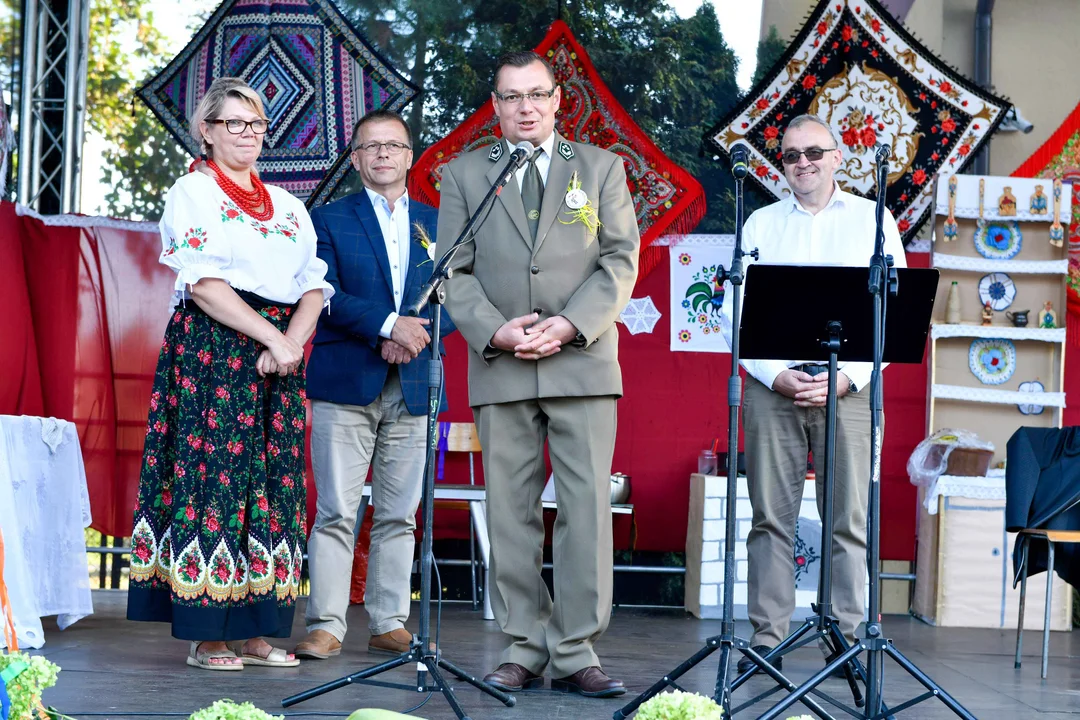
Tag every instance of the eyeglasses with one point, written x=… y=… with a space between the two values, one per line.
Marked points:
x=392 y=148
x=813 y=154
x=237 y=127
x=536 y=97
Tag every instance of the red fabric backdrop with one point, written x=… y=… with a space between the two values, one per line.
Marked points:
x=85 y=309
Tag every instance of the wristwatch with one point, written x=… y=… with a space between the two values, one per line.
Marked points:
x=851 y=387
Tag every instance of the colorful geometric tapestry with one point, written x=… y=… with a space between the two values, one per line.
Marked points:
x=316 y=74
x=857 y=69
x=1059 y=157
x=666 y=198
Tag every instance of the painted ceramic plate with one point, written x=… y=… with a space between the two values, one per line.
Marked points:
x=998 y=240
x=998 y=290
x=1031 y=386
x=993 y=360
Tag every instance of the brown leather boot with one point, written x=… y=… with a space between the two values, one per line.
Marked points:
x=318 y=645
x=511 y=677
x=590 y=682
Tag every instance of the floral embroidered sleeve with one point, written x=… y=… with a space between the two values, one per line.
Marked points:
x=193 y=241
x=313 y=274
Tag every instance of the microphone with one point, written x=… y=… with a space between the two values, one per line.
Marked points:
x=882 y=153
x=739 y=159
x=521 y=154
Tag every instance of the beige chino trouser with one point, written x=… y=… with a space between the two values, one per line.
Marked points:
x=778 y=437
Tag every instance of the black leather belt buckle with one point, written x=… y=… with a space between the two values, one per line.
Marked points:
x=813 y=368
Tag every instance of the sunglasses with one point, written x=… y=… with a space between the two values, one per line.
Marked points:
x=812 y=154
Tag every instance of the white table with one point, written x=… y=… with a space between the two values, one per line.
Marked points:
x=44 y=509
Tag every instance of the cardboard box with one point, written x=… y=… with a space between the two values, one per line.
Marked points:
x=964 y=571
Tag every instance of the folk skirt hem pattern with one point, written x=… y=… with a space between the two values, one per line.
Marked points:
x=220 y=523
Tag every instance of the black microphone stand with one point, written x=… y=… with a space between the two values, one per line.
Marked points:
x=727 y=641
x=883 y=283
x=420 y=651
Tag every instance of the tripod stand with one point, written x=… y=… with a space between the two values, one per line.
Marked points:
x=883 y=280
x=727 y=641
x=429 y=659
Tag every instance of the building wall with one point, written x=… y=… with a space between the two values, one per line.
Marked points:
x=1034 y=49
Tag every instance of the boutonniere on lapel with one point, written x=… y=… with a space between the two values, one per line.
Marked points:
x=425 y=242
x=581 y=208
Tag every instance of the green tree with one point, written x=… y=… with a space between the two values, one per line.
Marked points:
x=770 y=49
x=141 y=160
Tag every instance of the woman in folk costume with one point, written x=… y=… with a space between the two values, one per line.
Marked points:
x=220 y=521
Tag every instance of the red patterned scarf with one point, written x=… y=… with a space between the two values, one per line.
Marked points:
x=667 y=199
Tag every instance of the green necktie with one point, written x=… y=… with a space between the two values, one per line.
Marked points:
x=532 y=192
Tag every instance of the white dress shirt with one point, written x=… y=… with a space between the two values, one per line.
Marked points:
x=841 y=234
x=543 y=163
x=395 y=232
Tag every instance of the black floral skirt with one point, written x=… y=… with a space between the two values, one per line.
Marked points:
x=219 y=534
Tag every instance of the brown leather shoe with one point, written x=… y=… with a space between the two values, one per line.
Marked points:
x=395 y=642
x=511 y=677
x=590 y=682
x=318 y=645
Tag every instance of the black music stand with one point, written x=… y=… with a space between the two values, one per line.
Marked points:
x=841 y=328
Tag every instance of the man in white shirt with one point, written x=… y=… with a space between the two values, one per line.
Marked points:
x=367 y=381
x=784 y=410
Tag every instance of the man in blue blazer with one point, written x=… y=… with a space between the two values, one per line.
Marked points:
x=367 y=380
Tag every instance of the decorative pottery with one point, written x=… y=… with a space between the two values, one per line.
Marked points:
x=1032 y=386
x=997 y=289
x=998 y=240
x=992 y=360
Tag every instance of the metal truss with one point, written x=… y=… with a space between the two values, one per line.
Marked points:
x=52 y=103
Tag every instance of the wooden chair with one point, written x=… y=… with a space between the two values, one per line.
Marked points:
x=1051 y=537
x=462 y=437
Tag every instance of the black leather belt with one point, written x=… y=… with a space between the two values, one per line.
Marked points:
x=812 y=368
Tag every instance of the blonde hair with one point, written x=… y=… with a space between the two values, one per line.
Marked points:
x=210 y=106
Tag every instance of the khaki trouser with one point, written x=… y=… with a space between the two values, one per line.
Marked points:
x=581 y=440
x=778 y=436
x=345 y=441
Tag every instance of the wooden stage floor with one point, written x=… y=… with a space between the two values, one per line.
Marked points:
x=112 y=668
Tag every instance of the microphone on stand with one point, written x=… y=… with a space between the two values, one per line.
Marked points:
x=882 y=153
x=521 y=154
x=441 y=271
x=739 y=161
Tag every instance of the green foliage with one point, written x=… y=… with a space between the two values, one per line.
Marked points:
x=678 y=705
x=26 y=688
x=769 y=50
x=228 y=710
x=141 y=160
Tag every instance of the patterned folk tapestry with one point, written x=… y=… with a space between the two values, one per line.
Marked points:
x=667 y=199
x=861 y=72
x=316 y=74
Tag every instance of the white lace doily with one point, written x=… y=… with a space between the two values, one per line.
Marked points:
x=963 y=262
x=991 y=487
x=86 y=221
x=999 y=397
x=946 y=330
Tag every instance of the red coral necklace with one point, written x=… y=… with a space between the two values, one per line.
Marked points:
x=247 y=200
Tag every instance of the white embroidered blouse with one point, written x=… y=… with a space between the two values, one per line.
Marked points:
x=204 y=234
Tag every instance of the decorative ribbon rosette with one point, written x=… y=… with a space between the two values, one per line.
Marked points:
x=581 y=208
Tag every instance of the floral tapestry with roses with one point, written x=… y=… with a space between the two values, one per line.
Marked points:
x=667 y=199
x=856 y=68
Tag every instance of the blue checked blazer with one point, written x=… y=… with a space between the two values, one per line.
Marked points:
x=346 y=364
